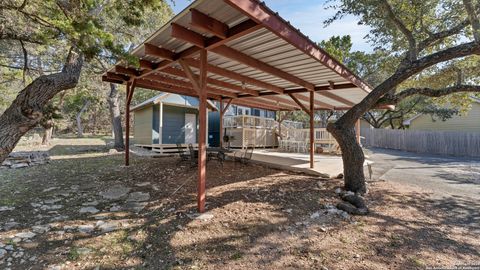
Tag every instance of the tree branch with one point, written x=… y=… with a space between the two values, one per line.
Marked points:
x=435 y=37
x=412 y=53
x=430 y=92
x=472 y=16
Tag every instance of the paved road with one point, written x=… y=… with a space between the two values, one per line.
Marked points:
x=444 y=176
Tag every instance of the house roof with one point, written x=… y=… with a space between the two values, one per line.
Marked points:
x=173 y=100
x=255 y=58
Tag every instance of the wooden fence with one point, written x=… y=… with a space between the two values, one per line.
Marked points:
x=454 y=143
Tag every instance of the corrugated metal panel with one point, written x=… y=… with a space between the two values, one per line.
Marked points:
x=262 y=45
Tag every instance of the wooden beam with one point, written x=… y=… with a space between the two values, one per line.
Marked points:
x=239 y=30
x=128 y=100
x=198 y=40
x=259 y=105
x=235 y=32
x=159 y=86
x=273 y=101
x=299 y=103
x=118 y=77
x=187 y=84
x=357 y=131
x=214 y=82
x=227 y=106
x=182 y=33
x=235 y=76
x=191 y=76
x=202 y=137
x=206 y=23
x=264 y=16
x=126 y=71
x=158 y=52
x=312 y=131
x=257 y=64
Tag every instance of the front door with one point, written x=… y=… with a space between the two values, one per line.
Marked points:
x=190 y=128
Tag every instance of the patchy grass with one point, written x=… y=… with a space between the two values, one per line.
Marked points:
x=261 y=218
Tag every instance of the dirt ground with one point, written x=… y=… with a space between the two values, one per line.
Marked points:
x=85 y=210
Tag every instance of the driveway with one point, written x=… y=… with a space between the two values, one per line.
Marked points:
x=456 y=177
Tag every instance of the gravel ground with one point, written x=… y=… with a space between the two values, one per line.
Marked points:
x=84 y=210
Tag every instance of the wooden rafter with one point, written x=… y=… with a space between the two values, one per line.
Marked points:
x=198 y=40
x=299 y=103
x=264 y=16
x=209 y=24
x=187 y=84
x=322 y=105
x=235 y=32
x=237 y=77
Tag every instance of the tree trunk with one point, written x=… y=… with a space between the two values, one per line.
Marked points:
x=352 y=156
x=115 y=117
x=48 y=132
x=79 y=119
x=25 y=112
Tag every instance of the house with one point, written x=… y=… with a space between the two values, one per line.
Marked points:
x=165 y=120
x=233 y=110
x=468 y=122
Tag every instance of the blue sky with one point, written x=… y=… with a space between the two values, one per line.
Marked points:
x=308 y=16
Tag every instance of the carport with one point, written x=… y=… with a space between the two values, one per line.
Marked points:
x=237 y=52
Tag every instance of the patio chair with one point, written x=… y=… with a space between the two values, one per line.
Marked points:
x=193 y=155
x=183 y=154
x=245 y=156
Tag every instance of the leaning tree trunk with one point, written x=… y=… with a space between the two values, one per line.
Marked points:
x=352 y=156
x=25 y=112
x=79 y=119
x=115 y=117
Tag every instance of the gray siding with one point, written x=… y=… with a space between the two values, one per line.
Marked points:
x=156 y=124
x=143 y=126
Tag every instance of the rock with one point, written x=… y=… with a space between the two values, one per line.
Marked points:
x=83 y=251
x=339 y=176
x=143 y=184
x=3 y=253
x=86 y=228
x=92 y=203
x=204 y=216
x=9 y=247
x=109 y=226
x=138 y=197
x=115 y=192
x=315 y=215
x=89 y=209
x=49 y=189
x=10 y=225
x=58 y=218
x=338 y=190
x=40 y=228
x=25 y=235
x=113 y=151
x=115 y=208
x=322 y=229
x=6 y=208
x=135 y=206
x=320 y=184
x=52 y=201
x=19 y=165
x=51 y=207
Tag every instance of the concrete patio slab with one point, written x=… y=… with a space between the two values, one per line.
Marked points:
x=327 y=166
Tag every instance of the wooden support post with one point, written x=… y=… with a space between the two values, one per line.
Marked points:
x=221 y=123
x=357 y=130
x=129 y=95
x=202 y=150
x=312 y=135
